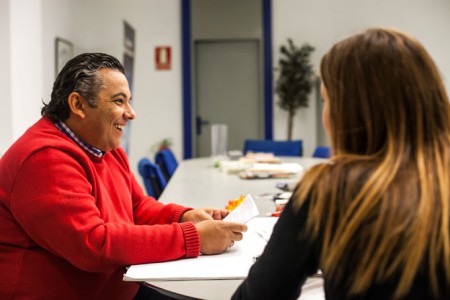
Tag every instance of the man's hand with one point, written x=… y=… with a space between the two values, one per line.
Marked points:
x=217 y=236
x=202 y=214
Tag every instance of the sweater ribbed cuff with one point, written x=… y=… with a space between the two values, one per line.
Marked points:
x=192 y=239
x=179 y=212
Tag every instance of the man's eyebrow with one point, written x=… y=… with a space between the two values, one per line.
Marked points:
x=120 y=94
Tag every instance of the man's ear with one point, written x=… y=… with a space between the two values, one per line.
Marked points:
x=77 y=105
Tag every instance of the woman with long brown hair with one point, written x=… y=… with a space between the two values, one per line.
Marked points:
x=375 y=218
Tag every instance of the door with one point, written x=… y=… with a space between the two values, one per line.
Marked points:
x=228 y=91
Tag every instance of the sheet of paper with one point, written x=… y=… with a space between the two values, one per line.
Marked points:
x=244 y=212
x=264 y=170
x=276 y=168
x=233 y=264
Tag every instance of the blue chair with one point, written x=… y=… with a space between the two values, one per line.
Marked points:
x=167 y=162
x=322 y=152
x=278 y=148
x=154 y=180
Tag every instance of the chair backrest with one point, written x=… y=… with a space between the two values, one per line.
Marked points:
x=322 y=152
x=278 y=148
x=154 y=180
x=167 y=162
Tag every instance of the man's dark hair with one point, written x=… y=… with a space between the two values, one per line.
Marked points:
x=81 y=75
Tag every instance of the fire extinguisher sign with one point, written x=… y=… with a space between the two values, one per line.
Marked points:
x=163 y=58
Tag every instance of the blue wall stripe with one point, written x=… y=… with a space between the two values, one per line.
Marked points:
x=268 y=72
x=187 y=80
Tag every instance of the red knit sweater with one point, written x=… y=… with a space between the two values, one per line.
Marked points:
x=70 y=222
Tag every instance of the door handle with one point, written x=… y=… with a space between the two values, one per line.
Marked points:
x=200 y=122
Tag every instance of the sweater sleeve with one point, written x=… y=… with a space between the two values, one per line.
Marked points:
x=288 y=259
x=53 y=201
x=147 y=210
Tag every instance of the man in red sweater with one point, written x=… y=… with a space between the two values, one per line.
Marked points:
x=72 y=214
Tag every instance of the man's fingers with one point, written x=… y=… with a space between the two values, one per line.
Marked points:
x=237 y=227
x=237 y=236
x=217 y=215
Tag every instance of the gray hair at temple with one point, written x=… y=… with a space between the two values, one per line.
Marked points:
x=81 y=75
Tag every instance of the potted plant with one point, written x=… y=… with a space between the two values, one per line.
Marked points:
x=295 y=80
x=165 y=143
x=161 y=145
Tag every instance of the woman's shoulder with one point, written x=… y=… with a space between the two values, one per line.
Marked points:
x=339 y=178
x=342 y=168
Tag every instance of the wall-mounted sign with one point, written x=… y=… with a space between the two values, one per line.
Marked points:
x=163 y=58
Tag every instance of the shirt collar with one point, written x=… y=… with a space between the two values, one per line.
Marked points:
x=66 y=130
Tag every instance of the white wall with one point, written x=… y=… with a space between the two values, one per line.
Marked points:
x=323 y=22
x=58 y=20
x=29 y=28
x=22 y=33
x=156 y=94
x=93 y=26
x=5 y=78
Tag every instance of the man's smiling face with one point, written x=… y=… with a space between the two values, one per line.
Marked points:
x=104 y=123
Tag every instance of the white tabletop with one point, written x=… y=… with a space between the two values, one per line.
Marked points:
x=197 y=183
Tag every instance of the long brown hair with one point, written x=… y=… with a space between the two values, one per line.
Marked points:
x=382 y=205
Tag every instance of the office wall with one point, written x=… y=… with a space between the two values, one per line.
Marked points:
x=156 y=94
x=21 y=57
x=26 y=63
x=323 y=22
x=58 y=20
x=28 y=29
x=5 y=82
x=92 y=26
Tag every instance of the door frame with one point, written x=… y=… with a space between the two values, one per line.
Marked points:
x=188 y=125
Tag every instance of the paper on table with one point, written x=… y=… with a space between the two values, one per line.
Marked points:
x=291 y=168
x=233 y=264
x=244 y=212
x=263 y=171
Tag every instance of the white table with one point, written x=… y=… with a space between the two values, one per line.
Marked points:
x=197 y=183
